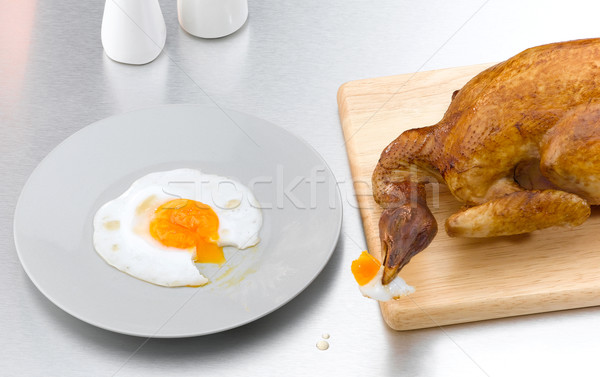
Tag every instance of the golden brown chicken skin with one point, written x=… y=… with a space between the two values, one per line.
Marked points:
x=519 y=145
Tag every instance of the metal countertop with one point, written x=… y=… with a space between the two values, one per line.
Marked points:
x=285 y=66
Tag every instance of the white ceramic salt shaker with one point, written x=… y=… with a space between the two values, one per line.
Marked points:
x=133 y=31
x=212 y=18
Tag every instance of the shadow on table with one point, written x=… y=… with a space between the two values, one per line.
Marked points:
x=203 y=347
x=475 y=347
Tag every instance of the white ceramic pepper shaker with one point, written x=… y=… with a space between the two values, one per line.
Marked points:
x=133 y=31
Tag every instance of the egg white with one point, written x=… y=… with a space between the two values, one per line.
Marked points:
x=376 y=290
x=121 y=226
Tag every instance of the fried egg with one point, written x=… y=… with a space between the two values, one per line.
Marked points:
x=167 y=221
x=368 y=273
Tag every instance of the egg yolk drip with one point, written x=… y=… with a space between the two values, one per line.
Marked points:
x=184 y=223
x=365 y=268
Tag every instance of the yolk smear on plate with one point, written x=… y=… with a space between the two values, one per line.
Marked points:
x=184 y=224
x=365 y=268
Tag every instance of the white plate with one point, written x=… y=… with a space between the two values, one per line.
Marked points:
x=53 y=219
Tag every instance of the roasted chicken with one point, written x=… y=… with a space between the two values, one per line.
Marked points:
x=519 y=145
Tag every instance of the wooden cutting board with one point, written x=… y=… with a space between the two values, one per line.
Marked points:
x=458 y=279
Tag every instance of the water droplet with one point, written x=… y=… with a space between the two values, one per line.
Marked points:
x=322 y=345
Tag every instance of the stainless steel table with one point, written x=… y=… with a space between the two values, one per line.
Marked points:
x=285 y=66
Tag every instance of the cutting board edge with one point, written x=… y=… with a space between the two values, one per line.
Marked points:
x=513 y=307
x=349 y=141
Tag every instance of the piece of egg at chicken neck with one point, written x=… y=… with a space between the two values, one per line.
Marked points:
x=368 y=273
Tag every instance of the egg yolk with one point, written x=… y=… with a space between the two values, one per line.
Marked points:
x=184 y=223
x=365 y=268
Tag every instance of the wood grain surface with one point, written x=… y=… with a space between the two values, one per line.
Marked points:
x=459 y=279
